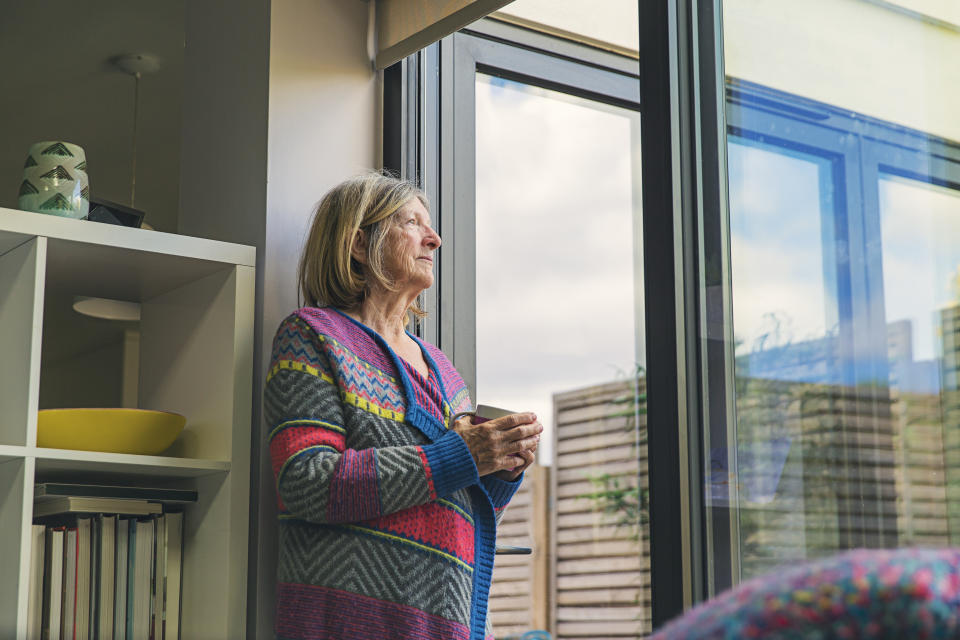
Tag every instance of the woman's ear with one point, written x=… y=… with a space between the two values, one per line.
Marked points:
x=358 y=249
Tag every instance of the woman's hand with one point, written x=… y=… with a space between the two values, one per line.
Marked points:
x=512 y=474
x=500 y=444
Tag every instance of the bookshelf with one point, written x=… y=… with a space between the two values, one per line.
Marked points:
x=195 y=358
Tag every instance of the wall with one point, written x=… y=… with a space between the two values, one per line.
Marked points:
x=323 y=128
x=58 y=84
x=223 y=159
x=91 y=379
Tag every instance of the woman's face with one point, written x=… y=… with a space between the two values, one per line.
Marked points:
x=410 y=247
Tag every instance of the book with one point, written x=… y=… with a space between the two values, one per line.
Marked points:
x=106 y=576
x=171 y=621
x=53 y=583
x=159 y=570
x=82 y=607
x=144 y=549
x=131 y=574
x=107 y=573
x=120 y=578
x=68 y=617
x=47 y=490
x=94 y=582
x=70 y=504
x=35 y=600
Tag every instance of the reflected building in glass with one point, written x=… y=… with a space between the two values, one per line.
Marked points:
x=950 y=408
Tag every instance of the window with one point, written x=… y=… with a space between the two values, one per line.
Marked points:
x=540 y=215
x=843 y=228
x=797 y=238
x=557 y=238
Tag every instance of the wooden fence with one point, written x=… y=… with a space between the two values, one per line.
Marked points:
x=589 y=576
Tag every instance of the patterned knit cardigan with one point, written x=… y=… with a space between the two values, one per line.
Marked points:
x=386 y=530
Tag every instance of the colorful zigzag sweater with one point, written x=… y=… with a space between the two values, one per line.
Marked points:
x=386 y=531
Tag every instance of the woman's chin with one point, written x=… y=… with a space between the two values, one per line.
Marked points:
x=416 y=283
x=425 y=283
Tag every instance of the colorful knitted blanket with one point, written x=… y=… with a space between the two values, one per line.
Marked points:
x=863 y=594
x=386 y=531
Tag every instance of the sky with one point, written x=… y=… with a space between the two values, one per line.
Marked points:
x=776 y=249
x=920 y=227
x=556 y=306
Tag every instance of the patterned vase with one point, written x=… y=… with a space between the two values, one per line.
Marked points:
x=55 y=180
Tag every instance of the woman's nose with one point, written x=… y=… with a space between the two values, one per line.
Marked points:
x=433 y=239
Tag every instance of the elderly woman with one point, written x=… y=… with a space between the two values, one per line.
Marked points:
x=388 y=506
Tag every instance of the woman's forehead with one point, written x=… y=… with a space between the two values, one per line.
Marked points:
x=415 y=207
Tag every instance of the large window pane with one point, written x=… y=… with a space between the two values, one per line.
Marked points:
x=844 y=219
x=559 y=332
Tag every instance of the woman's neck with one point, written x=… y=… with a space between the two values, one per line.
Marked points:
x=385 y=313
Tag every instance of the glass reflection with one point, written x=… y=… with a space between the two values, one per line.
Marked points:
x=844 y=220
x=920 y=226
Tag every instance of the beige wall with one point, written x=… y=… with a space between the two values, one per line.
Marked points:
x=323 y=127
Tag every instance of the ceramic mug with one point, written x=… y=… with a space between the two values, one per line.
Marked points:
x=55 y=180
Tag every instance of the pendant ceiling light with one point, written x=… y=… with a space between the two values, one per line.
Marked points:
x=136 y=65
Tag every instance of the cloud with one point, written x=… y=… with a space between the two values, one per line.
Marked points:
x=555 y=247
x=777 y=258
x=920 y=228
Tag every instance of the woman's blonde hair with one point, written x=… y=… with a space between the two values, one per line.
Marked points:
x=327 y=273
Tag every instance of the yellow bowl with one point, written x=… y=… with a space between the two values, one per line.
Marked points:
x=137 y=431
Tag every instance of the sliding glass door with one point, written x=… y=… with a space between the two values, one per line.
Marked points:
x=540 y=303
x=844 y=223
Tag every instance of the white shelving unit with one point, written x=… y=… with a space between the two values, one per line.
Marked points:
x=196 y=359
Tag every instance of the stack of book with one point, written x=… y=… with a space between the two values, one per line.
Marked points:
x=106 y=562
